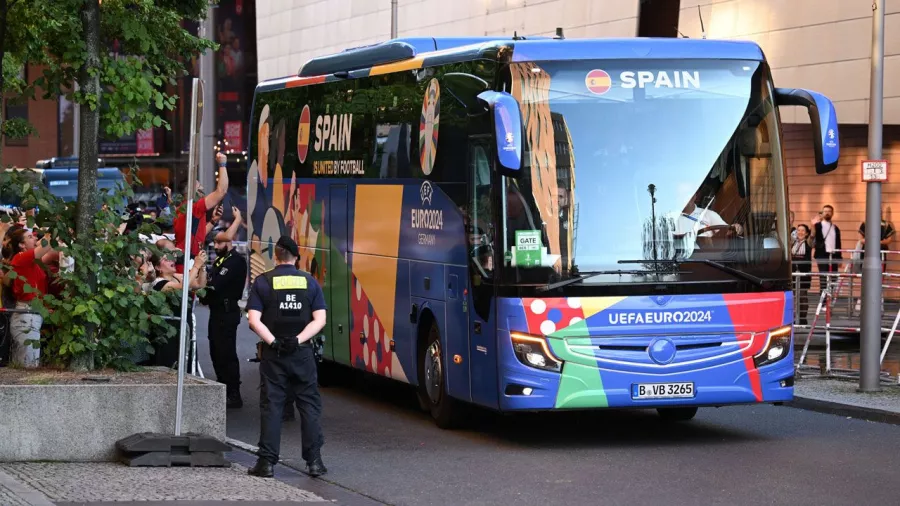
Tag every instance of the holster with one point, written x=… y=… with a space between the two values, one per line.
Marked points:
x=318 y=344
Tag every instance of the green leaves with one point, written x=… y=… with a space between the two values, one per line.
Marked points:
x=151 y=47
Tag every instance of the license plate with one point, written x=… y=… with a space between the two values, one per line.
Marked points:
x=662 y=390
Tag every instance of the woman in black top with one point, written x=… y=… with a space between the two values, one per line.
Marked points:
x=801 y=254
x=170 y=282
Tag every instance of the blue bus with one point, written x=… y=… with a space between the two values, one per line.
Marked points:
x=541 y=224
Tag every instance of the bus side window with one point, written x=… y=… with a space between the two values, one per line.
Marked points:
x=480 y=225
x=480 y=217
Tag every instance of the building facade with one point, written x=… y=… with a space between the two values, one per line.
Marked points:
x=819 y=44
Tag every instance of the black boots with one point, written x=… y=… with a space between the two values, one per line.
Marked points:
x=233 y=399
x=316 y=467
x=263 y=469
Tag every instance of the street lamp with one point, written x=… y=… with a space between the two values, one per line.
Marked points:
x=870 y=320
x=393 y=19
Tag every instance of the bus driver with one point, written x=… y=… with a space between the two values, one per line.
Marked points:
x=695 y=222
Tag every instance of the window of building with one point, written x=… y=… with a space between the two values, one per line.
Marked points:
x=13 y=108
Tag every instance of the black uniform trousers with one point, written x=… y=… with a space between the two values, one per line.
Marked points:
x=288 y=413
x=282 y=373
x=222 y=333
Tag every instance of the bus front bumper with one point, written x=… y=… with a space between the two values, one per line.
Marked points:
x=584 y=387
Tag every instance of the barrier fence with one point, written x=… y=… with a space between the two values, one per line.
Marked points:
x=836 y=285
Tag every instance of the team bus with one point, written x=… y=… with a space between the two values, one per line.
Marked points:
x=541 y=224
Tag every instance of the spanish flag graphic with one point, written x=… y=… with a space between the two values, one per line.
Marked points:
x=598 y=82
x=303 y=135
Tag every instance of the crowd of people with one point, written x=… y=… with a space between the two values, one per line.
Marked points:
x=161 y=268
x=821 y=245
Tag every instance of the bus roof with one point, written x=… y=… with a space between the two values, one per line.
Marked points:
x=414 y=53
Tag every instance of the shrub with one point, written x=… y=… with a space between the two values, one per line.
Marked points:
x=99 y=316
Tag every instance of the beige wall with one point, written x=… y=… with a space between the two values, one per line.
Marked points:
x=290 y=32
x=825 y=45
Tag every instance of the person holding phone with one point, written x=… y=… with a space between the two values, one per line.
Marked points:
x=225 y=288
x=202 y=204
x=827 y=243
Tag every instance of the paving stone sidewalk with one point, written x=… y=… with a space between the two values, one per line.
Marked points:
x=113 y=482
x=16 y=493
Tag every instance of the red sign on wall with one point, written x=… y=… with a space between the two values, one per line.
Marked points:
x=145 y=142
x=233 y=135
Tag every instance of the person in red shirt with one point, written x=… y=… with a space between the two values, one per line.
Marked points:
x=201 y=206
x=26 y=326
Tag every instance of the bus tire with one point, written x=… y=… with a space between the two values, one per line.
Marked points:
x=444 y=409
x=677 y=414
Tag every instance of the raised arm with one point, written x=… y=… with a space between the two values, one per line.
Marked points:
x=236 y=225
x=216 y=197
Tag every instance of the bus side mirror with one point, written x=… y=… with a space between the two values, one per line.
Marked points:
x=507 y=131
x=824 y=123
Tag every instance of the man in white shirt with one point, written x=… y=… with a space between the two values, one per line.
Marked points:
x=827 y=242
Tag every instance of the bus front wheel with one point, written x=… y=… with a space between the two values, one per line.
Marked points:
x=432 y=385
x=677 y=414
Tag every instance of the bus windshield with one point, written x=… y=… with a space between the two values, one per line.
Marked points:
x=645 y=171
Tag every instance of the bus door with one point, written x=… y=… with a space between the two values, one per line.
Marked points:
x=337 y=278
x=481 y=237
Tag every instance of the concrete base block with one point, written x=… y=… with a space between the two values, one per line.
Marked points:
x=81 y=423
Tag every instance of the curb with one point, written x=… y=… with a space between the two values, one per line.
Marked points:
x=23 y=491
x=846 y=410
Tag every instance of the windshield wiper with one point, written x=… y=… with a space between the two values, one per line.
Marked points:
x=583 y=275
x=760 y=282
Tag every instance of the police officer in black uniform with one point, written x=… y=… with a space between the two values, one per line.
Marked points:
x=286 y=308
x=224 y=289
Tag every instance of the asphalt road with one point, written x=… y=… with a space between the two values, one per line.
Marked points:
x=380 y=445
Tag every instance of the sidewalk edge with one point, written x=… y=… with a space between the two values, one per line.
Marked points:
x=847 y=410
x=347 y=495
x=23 y=491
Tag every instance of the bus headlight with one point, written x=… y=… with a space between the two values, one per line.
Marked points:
x=778 y=344
x=534 y=352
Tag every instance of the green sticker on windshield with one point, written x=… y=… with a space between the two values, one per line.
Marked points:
x=528 y=248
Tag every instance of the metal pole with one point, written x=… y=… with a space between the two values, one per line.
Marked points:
x=206 y=170
x=197 y=90
x=870 y=342
x=76 y=138
x=393 y=19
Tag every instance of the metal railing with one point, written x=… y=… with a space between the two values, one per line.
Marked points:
x=838 y=307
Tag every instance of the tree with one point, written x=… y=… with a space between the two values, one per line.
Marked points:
x=119 y=91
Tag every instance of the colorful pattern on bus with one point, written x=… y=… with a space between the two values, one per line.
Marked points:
x=376 y=248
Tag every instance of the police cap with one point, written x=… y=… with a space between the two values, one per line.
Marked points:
x=288 y=244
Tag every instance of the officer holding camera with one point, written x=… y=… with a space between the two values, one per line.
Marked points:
x=286 y=308
x=224 y=289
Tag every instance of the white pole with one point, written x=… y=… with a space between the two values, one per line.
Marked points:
x=196 y=119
